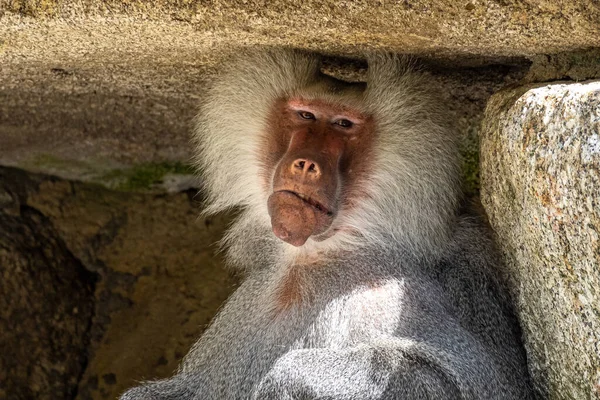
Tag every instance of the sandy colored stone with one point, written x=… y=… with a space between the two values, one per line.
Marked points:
x=90 y=86
x=160 y=285
x=540 y=166
x=153 y=284
x=485 y=27
x=46 y=304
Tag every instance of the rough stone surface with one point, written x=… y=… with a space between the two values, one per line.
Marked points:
x=540 y=166
x=46 y=307
x=445 y=27
x=158 y=284
x=88 y=87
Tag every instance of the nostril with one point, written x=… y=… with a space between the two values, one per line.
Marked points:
x=299 y=164
x=306 y=166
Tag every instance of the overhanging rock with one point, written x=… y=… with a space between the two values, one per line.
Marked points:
x=91 y=89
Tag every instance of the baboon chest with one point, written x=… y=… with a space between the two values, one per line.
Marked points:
x=331 y=319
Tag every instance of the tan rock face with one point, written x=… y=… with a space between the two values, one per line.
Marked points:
x=503 y=27
x=139 y=269
x=46 y=305
x=87 y=87
x=540 y=167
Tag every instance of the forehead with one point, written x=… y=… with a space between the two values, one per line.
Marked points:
x=299 y=103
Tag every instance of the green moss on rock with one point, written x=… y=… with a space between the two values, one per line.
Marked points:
x=51 y=162
x=139 y=177
x=144 y=176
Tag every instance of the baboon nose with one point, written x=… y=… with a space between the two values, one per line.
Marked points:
x=306 y=167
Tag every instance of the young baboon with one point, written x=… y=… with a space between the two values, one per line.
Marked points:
x=364 y=280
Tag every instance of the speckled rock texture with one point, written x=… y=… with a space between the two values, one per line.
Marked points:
x=100 y=289
x=46 y=306
x=540 y=167
x=92 y=86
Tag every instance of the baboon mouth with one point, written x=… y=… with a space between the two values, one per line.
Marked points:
x=296 y=217
x=311 y=202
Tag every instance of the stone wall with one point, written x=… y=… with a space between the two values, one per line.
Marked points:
x=540 y=168
x=100 y=289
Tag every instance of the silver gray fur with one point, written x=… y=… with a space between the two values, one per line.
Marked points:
x=407 y=305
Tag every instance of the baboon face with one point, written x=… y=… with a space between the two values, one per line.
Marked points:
x=325 y=164
x=316 y=152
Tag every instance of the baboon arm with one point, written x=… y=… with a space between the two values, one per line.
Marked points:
x=383 y=371
x=179 y=387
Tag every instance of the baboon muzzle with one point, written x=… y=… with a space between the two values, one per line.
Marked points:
x=303 y=202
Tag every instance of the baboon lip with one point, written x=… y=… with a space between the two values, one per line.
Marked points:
x=296 y=217
x=310 y=201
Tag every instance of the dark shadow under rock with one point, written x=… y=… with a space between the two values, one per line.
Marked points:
x=46 y=307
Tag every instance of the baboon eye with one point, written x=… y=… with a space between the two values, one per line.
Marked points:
x=344 y=123
x=306 y=115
